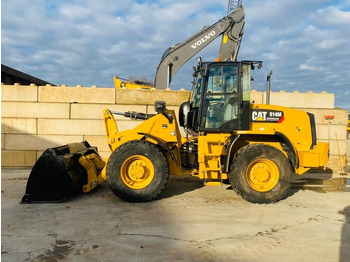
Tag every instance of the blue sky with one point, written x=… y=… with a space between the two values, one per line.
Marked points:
x=87 y=42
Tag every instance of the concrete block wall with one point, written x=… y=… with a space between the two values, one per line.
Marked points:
x=295 y=99
x=34 y=118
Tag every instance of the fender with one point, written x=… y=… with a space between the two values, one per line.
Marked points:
x=161 y=144
x=289 y=149
x=229 y=156
x=286 y=146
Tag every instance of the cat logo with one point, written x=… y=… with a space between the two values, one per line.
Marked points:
x=269 y=116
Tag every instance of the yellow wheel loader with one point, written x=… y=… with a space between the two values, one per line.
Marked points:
x=256 y=147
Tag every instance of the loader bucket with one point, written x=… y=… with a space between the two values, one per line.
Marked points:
x=63 y=171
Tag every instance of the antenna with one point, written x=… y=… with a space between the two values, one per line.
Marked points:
x=233 y=5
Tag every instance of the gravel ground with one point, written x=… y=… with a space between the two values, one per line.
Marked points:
x=190 y=222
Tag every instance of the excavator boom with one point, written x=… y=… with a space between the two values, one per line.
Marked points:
x=231 y=29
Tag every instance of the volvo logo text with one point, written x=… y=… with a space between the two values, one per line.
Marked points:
x=203 y=39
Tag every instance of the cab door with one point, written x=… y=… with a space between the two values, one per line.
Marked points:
x=225 y=100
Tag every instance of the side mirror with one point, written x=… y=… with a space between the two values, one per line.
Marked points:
x=160 y=107
x=183 y=114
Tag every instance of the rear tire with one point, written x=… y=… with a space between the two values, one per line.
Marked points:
x=137 y=171
x=260 y=173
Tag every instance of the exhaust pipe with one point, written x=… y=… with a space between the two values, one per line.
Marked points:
x=268 y=87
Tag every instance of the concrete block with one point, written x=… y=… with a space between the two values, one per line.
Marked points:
x=256 y=97
x=301 y=100
x=105 y=154
x=18 y=158
x=340 y=116
x=76 y=94
x=70 y=127
x=39 y=153
x=19 y=93
x=34 y=110
x=3 y=137
x=326 y=132
x=148 y=97
x=336 y=163
x=99 y=141
x=38 y=142
x=18 y=126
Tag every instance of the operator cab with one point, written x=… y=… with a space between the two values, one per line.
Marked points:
x=220 y=97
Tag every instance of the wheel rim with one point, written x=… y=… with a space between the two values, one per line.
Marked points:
x=137 y=172
x=262 y=175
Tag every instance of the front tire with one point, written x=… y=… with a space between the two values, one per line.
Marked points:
x=137 y=171
x=260 y=173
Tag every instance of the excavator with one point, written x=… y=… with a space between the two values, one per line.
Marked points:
x=228 y=139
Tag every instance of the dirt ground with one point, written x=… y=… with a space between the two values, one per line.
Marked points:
x=189 y=222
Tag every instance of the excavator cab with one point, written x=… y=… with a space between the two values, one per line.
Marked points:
x=220 y=98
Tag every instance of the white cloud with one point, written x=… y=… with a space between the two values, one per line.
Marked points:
x=75 y=12
x=87 y=42
x=332 y=15
x=308 y=67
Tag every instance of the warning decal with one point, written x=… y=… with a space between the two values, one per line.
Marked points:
x=269 y=116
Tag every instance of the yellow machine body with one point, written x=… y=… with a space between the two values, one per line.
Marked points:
x=157 y=130
x=296 y=127
x=213 y=146
x=118 y=83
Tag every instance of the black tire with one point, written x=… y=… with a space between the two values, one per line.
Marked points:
x=130 y=168
x=260 y=173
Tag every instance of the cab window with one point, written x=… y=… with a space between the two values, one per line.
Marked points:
x=196 y=93
x=221 y=97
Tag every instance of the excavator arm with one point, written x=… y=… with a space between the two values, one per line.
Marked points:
x=231 y=29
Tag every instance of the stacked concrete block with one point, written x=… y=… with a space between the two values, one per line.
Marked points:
x=257 y=97
x=294 y=99
x=38 y=117
x=14 y=98
x=78 y=94
x=18 y=92
x=146 y=97
x=301 y=100
x=348 y=151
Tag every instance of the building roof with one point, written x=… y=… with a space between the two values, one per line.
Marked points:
x=10 y=76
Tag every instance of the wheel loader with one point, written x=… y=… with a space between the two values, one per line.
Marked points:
x=254 y=147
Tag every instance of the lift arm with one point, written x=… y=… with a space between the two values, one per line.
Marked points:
x=231 y=29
